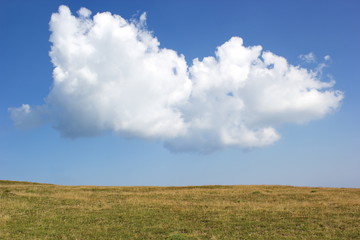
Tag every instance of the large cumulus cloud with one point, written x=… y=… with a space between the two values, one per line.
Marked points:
x=110 y=74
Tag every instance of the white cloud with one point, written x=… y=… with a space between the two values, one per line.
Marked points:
x=327 y=58
x=242 y=94
x=111 y=75
x=308 y=58
x=26 y=117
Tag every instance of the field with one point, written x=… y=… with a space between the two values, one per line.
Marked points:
x=44 y=211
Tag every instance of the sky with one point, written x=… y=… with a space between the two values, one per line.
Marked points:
x=176 y=93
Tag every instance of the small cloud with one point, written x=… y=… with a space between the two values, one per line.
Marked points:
x=327 y=58
x=308 y=58
x=25 y=117
x=84 y=12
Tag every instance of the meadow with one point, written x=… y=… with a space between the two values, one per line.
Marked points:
x=45 y=211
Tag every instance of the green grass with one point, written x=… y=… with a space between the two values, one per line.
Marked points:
x=44 y=211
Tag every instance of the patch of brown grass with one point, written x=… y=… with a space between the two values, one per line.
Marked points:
x=42 y=211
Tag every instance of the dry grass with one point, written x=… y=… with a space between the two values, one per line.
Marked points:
x=41 y=211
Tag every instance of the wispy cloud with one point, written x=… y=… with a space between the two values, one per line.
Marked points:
x=308 y=58
x=111 y=74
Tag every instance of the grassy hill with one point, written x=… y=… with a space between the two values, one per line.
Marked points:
x=44 y=211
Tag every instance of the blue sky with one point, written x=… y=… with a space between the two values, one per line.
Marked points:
x=318 y=152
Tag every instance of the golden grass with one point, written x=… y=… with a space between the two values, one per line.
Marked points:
x=43 y=211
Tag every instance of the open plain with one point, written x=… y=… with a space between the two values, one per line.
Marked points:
x=45 y=211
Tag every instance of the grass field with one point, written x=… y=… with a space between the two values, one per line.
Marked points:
x=44 y=211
